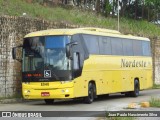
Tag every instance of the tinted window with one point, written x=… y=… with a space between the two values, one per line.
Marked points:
x=105 y=45
x=137 y=47
x=146 y=48
x=116 y=45
x=56 y=41
x=91 y=42
x=49 y=52
x=127 y=47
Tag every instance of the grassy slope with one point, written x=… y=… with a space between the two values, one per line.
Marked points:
x=75 y=16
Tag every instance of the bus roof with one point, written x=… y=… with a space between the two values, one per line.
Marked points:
x=87 y=30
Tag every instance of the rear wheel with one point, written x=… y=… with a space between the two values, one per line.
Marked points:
x=89 y=99
x=49 y=101
x=135 y=93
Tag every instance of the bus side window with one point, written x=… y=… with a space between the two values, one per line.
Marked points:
x=104 y=45
x=137 y=47
x=91 y=42
x=127 y=47
x=117 y=48
x=146 y=48
x=76 y=59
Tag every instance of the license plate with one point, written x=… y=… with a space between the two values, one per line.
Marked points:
x=44 y=94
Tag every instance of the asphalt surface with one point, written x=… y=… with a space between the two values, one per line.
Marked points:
x=115 y=102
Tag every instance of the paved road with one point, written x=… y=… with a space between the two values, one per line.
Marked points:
x=114 y=102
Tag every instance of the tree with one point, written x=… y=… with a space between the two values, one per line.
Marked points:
x=123 y=7
x=153 y=8
x=108 y=8
x=98 y=6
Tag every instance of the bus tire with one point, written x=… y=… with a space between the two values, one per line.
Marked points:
x=135 y=93
x=89 y=99
x=128 y=94
x=49 y=101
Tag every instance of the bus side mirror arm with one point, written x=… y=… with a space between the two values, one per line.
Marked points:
x=68 y=49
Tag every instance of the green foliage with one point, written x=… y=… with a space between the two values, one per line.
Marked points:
x=77 y=16
x=154 y=102
x=38 y=1
x=108 y=8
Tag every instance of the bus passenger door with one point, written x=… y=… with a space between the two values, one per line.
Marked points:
x=79 y=55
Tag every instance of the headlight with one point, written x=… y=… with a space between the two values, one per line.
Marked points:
x=27 y=83
x=26 y=91
x=66 y=90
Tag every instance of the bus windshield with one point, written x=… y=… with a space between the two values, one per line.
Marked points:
x=47 y=52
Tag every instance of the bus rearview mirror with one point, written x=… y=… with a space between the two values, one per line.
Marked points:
x=14 y=53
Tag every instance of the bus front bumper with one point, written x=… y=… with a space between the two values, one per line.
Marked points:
x=57 y=93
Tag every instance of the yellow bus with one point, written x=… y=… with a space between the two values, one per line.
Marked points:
x=84 y=63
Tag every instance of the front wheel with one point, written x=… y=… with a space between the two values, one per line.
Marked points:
x=89 y=99
x=135 y=93
x=49 y=101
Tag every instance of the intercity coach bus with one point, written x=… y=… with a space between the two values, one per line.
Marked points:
x=83 y=63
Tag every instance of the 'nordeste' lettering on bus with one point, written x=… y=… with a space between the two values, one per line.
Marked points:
x=133 y=63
